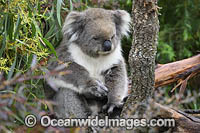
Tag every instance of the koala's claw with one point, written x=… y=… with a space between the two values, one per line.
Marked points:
x=98 y=90
x=109 y=107
x=102 y=87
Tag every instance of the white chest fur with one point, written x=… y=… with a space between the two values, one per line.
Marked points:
x=95 y=66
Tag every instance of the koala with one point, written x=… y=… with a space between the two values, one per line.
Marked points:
x=91 y=52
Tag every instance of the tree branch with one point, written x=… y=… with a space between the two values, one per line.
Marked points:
x=172 y=72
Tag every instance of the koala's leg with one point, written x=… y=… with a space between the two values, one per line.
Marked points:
x=117 y=81
x=70 y=104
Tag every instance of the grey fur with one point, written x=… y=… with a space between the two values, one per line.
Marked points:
x=78 y=90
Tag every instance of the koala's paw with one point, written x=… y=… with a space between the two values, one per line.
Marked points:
x=109 y=107
x=97 y=90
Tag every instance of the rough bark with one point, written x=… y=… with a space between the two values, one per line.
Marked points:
x=142 y=54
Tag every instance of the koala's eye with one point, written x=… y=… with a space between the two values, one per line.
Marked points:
x=95 y=38
x=113 y=36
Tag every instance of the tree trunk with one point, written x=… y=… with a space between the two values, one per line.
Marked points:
x=142 y=54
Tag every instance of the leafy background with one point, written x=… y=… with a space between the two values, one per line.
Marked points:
x=30 y=30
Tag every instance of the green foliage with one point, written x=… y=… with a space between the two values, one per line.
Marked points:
x=29 y=32
x=179 y=29
x=165 y=53
x=25 y=31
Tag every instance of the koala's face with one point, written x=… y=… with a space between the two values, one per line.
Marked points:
x=96 y=31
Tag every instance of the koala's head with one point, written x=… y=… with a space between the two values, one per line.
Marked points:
x=96 y=31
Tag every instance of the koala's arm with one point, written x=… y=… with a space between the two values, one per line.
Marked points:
x=117 y=81
x=78 y=80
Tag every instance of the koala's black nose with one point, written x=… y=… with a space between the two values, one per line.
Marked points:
x=107 y=45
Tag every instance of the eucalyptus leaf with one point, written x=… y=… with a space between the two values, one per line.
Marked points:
x=58 y=10
x=50 y=46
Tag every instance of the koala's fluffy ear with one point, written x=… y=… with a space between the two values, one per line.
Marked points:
x=73 y=26
x=122 y=20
